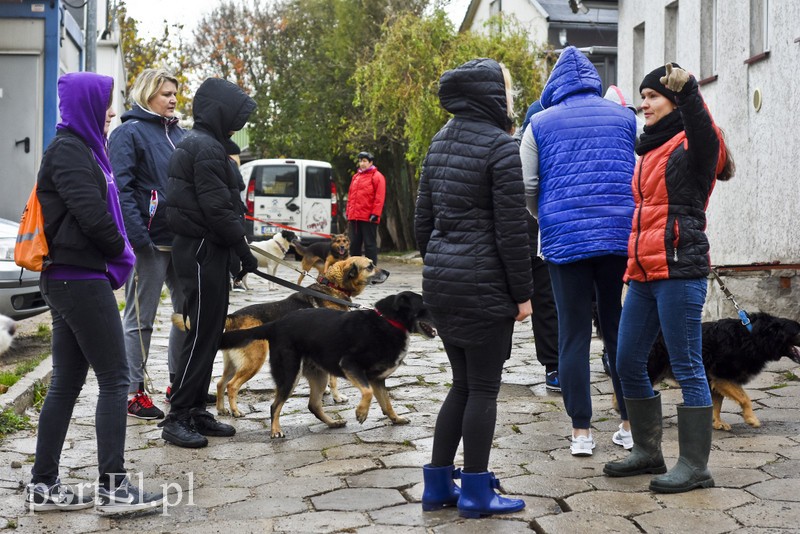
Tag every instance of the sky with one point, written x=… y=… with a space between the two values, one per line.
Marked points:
x=151 y=14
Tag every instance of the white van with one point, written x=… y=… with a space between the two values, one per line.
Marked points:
x=293 y=194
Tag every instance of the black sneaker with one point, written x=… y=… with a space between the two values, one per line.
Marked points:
x=206 y=425
x=126 y=498
x=551 y=382
x=56 y=498
x=180 y=432
x=141 y=407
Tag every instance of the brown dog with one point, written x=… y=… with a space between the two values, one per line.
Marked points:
x=345 y=279
x=322 y=254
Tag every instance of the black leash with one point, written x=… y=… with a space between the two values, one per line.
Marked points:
x=728 y=295
x=299 y=288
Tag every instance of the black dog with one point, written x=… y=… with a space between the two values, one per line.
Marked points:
x=364 y=346
x=733 y=356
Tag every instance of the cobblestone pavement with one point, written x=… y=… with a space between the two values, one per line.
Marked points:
x=367 y=478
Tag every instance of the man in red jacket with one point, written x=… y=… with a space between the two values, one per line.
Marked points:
x=364 y=207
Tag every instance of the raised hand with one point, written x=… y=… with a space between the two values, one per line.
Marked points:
x=675 y=79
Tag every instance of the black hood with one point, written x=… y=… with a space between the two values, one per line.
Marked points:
x=221 y=107
x=476 y=90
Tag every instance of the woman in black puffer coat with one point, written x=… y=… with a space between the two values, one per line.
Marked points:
x=472 y=233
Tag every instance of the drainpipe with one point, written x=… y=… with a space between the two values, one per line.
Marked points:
x=91 y=36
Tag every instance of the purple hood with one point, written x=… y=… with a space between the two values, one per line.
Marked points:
x=83 y=98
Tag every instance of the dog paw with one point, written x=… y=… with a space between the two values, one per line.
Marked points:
x=222 y=411
x=339 y=399
x=338 y=423
x=720 y=425
x=237 y=413
x=400 y=420
x=278 y=434
x=752 y=421
x=361 y=414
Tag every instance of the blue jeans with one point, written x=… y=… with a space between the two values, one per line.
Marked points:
x=675 y=307
x=573 y=286
x=87 y=331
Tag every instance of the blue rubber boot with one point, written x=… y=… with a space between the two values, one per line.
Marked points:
x=478 y=497
x=440 y=490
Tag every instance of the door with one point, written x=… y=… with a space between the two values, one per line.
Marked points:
x=316 y=202
x=20 y=136
x=276 y=198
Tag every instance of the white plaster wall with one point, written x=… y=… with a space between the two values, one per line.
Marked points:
x=752 y=218
x=528 y=16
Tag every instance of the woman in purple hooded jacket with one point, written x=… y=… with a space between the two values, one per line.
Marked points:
x=89 y=257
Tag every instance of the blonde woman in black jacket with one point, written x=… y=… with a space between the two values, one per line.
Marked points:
x=472 y=233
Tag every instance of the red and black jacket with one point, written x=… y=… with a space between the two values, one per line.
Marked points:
x=671 y=187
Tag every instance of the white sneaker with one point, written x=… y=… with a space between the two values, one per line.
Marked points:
x=582 y=446
x=623 y=438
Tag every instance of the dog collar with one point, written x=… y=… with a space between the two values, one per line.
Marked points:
x=283 y=250
x=325 y=282
x=396 y=324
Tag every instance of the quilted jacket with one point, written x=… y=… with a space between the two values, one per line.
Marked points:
x=585 y=160
x=470 y=211
x=671 y=186
x=203 y=189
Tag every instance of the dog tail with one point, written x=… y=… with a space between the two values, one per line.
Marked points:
x=299 y=247
x=239 y=338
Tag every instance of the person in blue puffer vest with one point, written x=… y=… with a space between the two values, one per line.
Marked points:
x=577 y=162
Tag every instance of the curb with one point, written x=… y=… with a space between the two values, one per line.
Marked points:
x=19 y=397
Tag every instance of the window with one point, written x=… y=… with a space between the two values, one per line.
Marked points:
x=277 y=181
x=671 y=32
x=708 y=40
x=318 y=182
x=759 y=35
x=638 y=57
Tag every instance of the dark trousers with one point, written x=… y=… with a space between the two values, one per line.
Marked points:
x=364 y=235
x=545 y=316
x=470 y=409
x=202 y=269
x=87 y=331
x=573 y=286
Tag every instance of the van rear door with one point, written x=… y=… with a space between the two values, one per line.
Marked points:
x=275 y=200
x=316 y=212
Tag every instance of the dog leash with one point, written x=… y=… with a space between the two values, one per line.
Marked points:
x=728 y=295
x=285 y=227
x=278 y=260
x=301 y=289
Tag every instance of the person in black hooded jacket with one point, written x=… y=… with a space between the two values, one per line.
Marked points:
x=473 y=236
x=204 y=212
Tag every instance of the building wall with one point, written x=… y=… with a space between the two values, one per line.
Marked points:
x=753 y=218
x=529 y=17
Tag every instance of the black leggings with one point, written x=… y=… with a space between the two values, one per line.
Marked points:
x=470 y=409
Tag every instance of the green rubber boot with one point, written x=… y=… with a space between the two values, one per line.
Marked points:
x=645 y=456
x=694 y=441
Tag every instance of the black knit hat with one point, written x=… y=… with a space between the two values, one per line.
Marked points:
x=653 y=81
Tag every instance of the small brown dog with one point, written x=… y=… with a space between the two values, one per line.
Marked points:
x=321 y=255
x=345 y=279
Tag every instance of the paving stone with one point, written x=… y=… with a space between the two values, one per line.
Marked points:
x=321 y=522
x=612 y=503
x=211 y=497
x=293 y=486
x=386 y=478
x=507 y=525
x=783 y=468
x=686 y=520
x=259 y=508
x=394 y=434
x=389 y=529
x=411 y=515
x=707 y=499
x=572 y=522
x=357 y=499
x=77 y=521
x=740 y=460
x=755 y=443
x=336 y=467
x=543 y=486
x=781 y=489
x=552 y=468
x=407 y=459
x=360 y=450
x=732 y=477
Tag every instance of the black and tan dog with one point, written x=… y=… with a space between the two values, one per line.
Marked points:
x=345 y=279
x=365 y=346
x=732 y=356
x=322 y=254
